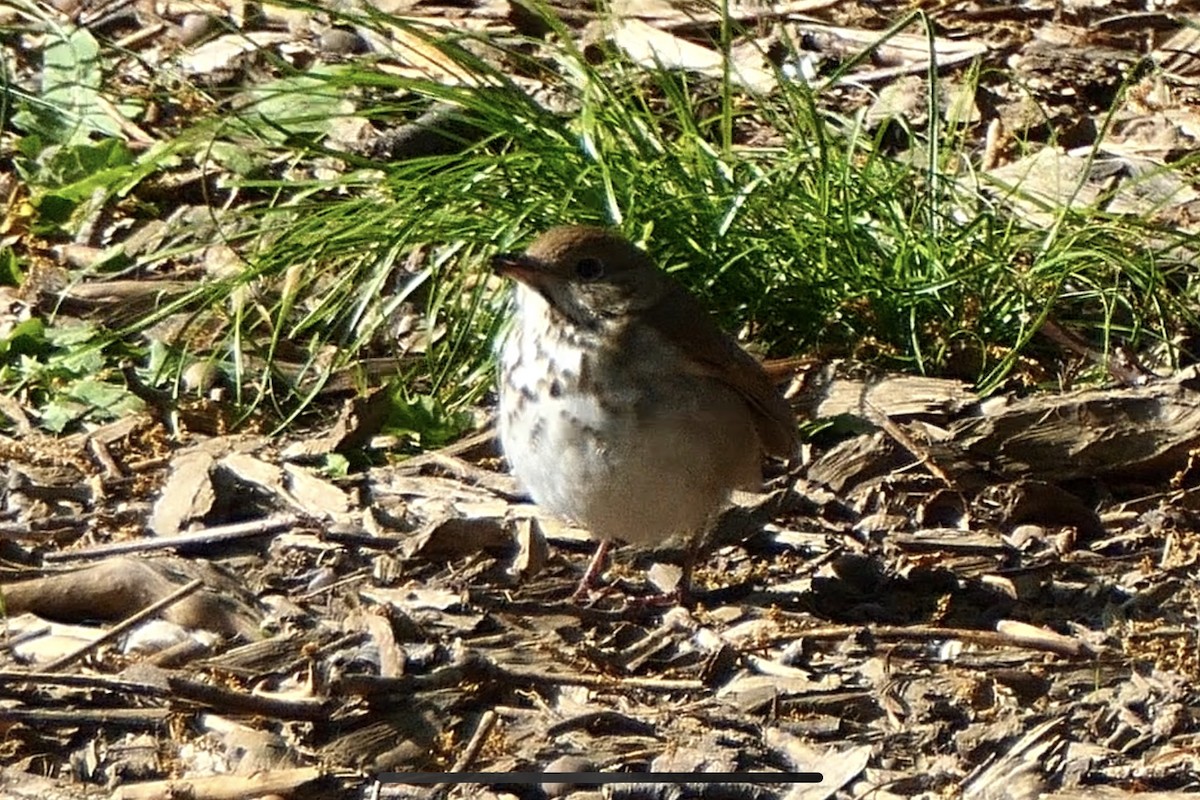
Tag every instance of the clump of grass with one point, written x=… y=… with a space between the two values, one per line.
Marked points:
x=817 y=240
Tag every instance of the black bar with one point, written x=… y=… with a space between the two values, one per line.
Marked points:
x=599 y=778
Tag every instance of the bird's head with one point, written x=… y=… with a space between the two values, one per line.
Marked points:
x=588 y=274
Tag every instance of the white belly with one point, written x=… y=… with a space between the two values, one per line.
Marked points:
x=656 y=458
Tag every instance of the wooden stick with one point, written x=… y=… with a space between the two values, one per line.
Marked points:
x=126 y=624
x=222 y=787
x=224 y=533
x=486 y=723
x=75 y=717
x=229 y=701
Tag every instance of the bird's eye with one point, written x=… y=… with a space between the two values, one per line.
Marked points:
x=589 y=269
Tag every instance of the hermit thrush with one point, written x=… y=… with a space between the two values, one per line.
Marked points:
x=623 y=407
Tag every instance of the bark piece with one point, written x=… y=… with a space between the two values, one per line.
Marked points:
x=1143 y=432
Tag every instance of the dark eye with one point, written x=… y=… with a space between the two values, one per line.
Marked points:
x=589 y=269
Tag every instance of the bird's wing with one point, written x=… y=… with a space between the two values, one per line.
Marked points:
x=714 y=353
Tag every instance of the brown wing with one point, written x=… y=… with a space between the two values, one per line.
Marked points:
x=683 y=321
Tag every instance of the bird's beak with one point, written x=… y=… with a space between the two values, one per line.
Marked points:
x=520 y=267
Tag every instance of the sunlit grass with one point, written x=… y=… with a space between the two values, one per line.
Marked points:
x=815 y=239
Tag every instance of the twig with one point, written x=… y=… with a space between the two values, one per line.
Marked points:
x=1121 y=363
x=486 y=723
x=138 y=36
x=354 y=577
x=128 y=623
x=1009 y=636
x=74 y=717
x=135 y=134
x=24 y=636
x=280 y=782
x=602 y=681
x=475 y=667
x=11 y=677
x=534 y=608
x=224 y=533
x=910 y=444
x=495 y=482
x=243 y=703
x=99 y=451
x=47 y=525
x=454 y=450
x=181 y=653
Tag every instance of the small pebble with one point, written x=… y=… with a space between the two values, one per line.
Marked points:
x=200 y=377
x=194 y=27
x=340 y=41
x=565 y=764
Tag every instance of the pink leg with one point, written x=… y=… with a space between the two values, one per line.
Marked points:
x=587 y=584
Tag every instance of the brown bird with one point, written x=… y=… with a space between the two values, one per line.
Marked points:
x=623 y=406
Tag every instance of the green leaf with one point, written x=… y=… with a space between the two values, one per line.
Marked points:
x=71 y=80
x=425 y=419
x=11 y=273
x=336 y=465
x=26 y=338
x=236 y=158
x=73 y=164
x=297 y=104
x=80 y=361
x=112 y=398
x=53 y=211
x=69 y=335
x=60 y=412
x=88 y=398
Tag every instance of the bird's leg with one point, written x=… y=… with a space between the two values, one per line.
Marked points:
x=681 y=594
x=587 y=584
x=691 y=554
x=692 y=548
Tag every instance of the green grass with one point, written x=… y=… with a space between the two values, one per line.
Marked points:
x=821 y=241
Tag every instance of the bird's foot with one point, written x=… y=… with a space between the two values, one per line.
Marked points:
x=588 y=590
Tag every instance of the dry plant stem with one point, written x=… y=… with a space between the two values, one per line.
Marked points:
x=450 y=451
x=908 y=443
x=104 y=683
x=282 y=782
x=139 y=36
x=1051 y=643
x=600 y=682
x=355 y=577
x=128 y=623
x=224 y=533
x=25 y=636
x=468 y=756
x=476 y=668
x=535 y=608
x=230 y=701
x=74 y=717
